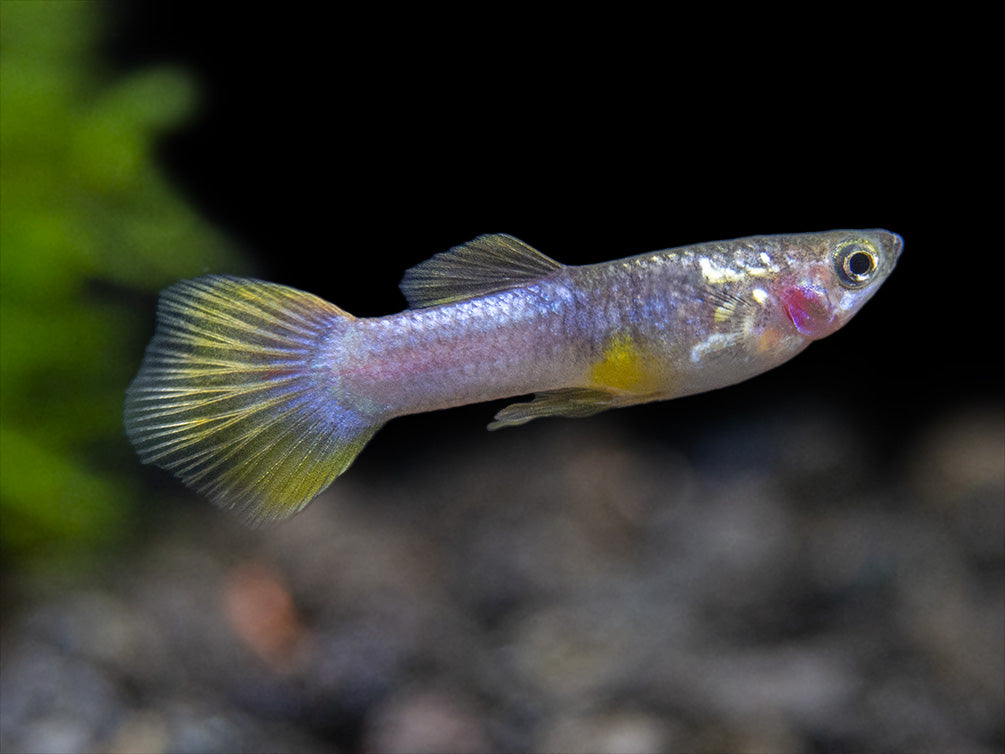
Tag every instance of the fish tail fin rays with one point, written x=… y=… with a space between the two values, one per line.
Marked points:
x=236 y=395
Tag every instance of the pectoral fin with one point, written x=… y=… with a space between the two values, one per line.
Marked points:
x=573 y=402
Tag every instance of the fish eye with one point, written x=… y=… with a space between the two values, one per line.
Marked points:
x=855 y=262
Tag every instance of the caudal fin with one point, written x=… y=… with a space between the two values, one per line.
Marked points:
x=236 y=395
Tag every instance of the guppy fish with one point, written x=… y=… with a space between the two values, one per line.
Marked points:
x=259 y=395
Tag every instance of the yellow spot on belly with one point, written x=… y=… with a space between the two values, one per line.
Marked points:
x=623 y=367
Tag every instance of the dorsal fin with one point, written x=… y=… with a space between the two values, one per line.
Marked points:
x=489 y=264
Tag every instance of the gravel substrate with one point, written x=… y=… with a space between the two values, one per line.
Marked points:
x=575 y=586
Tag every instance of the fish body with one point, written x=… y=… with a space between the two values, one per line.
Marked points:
x=260 y=395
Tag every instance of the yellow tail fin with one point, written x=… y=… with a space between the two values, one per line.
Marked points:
x=236 y=395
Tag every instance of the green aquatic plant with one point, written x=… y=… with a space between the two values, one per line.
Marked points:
x=86 y=217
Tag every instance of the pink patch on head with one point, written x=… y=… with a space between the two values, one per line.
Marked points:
x=810 y=310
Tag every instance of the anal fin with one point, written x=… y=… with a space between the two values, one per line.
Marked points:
x=571 y=402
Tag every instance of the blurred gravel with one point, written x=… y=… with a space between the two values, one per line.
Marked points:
x=566 y=587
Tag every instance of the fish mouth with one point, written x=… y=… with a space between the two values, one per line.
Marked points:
x=891 y=245
x=896 y=245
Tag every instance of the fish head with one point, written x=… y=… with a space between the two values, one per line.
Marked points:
x=834 y=274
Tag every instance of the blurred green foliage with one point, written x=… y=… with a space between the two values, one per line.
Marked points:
x=85 y=217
